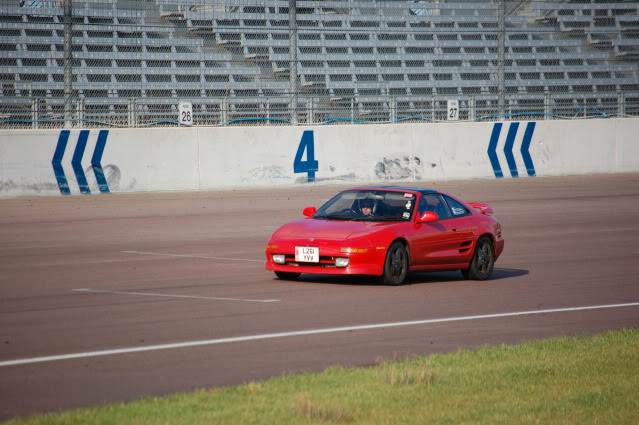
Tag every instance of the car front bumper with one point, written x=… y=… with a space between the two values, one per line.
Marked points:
x=369 y=262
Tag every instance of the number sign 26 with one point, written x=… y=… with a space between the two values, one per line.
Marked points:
x=186 y=113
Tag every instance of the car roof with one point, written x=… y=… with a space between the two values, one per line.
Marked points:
x=397 y=188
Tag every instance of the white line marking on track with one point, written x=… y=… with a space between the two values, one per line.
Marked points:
x=148 y=294
x=191 y=256
x=302 y=333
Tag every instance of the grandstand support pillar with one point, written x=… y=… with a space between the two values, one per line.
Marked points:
x=132 y=113
x=502 y=58
x=310 y=110
x=352 y=109
x=68 y=63
x=547 y=106
x=79 y=112
x=393 y=109
x=621 y=104
x=471 y=108
x=292 y=36
x=224 y=110
x=35 y=112
x=268 y=112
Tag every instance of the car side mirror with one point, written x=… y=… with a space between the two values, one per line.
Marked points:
x=428 y=217
x=309 y=211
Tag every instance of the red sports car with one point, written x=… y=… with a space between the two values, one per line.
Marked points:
x=388 y=232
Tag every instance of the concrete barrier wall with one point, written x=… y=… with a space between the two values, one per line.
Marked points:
x=54 y=162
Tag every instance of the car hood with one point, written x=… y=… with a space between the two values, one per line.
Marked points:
x=328 y=229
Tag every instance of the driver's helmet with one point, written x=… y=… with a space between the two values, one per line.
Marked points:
x=366 y=203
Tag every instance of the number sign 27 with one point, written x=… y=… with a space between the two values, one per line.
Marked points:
x=309 y=165
x=453 y=110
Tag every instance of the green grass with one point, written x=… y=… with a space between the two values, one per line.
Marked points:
x=579 y=381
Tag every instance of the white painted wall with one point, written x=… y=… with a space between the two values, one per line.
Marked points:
x=205 y=158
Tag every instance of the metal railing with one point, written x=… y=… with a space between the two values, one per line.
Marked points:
x=273 y=111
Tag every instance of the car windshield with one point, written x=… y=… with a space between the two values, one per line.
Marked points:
x=368 y=205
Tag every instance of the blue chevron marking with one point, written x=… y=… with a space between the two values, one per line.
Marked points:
x=525 y=149
x=76 y=162
x=508 y=148
x=58 y=170
x=96 y=161
x=492 y=150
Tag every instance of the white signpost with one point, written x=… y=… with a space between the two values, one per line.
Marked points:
x=453 y=110
x=186 y=113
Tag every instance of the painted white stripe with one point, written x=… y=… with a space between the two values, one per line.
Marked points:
x=191 y=256
x=148 y=294
x=303 y=333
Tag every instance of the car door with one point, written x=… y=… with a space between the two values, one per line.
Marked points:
x=437 y=243
x=463 y=224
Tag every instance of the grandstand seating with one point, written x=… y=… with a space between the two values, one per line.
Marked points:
x=383 y=59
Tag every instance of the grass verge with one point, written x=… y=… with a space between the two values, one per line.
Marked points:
x=582 y=380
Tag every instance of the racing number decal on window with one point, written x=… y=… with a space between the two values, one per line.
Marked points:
x=310 y=165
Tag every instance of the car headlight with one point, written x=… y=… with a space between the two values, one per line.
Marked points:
x=341 y=262
x=279 y=259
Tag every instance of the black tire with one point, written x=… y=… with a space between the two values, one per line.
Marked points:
x=287 y=275
x=483 y=262
x=396 y=264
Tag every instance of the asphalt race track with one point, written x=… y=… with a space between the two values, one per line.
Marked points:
x=115 y=297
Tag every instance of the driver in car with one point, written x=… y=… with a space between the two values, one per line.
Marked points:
x=366 y=207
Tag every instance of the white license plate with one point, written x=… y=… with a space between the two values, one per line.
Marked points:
x=307 y=254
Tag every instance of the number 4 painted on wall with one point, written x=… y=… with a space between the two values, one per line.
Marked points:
x=310 y=165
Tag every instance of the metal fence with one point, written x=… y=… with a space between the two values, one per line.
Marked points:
x=97 y=63
x=274 y=111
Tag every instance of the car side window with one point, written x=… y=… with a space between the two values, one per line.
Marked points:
x=457 y=209
x=433 y=202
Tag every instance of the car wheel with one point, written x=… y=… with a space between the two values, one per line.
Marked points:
x=396 y=264
x=481 y=266
x=287 y=275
